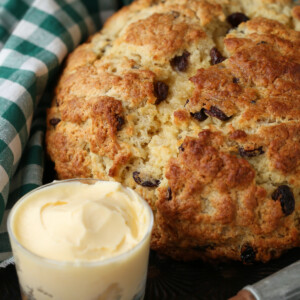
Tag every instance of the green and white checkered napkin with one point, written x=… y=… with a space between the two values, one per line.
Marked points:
x=35 y=36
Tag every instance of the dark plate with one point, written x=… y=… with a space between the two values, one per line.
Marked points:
x=173 y=280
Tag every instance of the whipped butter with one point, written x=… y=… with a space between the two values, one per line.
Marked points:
x=81 y=222
x=81 y=239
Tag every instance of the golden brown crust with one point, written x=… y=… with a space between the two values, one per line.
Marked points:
x=212 y=188
x=214 y=149
x=162 y=34
x=296 y=12
x=72 y=163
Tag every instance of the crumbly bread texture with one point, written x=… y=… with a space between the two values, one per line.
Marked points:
x=195 y=104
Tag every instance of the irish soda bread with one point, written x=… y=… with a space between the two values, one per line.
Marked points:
x=195 y=104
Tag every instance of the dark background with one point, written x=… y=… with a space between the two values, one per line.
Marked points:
x=171 y=280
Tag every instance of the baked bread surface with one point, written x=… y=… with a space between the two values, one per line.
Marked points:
x=194 y=104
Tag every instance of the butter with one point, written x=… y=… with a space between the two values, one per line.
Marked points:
x=81 y=222
x=81 y=239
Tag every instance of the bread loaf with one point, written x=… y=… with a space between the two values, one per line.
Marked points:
x=195 y=104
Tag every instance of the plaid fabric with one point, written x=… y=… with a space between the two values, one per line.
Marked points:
x=35 y=36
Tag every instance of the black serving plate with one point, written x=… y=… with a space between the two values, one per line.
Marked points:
x=173 y=280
